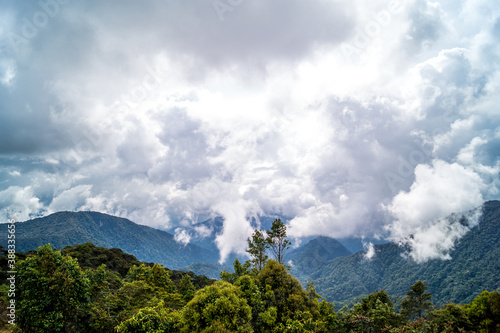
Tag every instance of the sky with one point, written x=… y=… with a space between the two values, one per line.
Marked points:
x=350 y=118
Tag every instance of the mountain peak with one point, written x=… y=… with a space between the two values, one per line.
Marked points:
x=316 y=252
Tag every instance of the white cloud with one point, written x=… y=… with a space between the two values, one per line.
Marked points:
x=422 y=213
x=203 y=231
x=236 y=227
x=19 y=203
x=71 y=199
x=436 y=240
x=370 y=251
x=439 y=190
x=182 y=236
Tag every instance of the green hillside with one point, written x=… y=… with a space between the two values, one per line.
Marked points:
x=309 y=257
x=474 y=267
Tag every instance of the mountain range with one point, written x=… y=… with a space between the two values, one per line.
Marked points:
x=71 y=228
x=339 y=275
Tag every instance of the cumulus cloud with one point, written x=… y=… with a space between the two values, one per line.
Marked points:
x=167 y=114
x=424 y=214
x=19 y=204
x=70 y=199
x=439 y=190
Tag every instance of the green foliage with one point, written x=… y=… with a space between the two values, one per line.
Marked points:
x=453 y=318
x=156 y=276
x=217 y=307
x=374 y=313
x=484 y=312
x=52 y=292
x=117 y=306
x=329 y=319
x=257 y=247
x=4 y=260
x=311 y=292
x=186 y=288
x=370 y=302
x=266 y=320
x=90 y=256
x=282 y=291
x=239 y=270
x=105 y=313
x=417 y=302
x=102 y=281
x=277 y=241
x=4 y=303
x=110 y=299
x=211 y=271
x=199 y=281
x=159 y=319
x=251 y=293
x=263 y=318
x=417 y=326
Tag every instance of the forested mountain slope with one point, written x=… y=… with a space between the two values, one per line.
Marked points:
x=474 y=267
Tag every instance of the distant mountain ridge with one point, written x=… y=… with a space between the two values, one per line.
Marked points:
x=310 y=256
x=338 y=275
x=69 y=228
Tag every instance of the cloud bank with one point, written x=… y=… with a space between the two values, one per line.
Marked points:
x=350 y=119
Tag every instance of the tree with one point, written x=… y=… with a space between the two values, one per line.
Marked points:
x=239 y=270
x=375 y=313
x=311 y=292
x=156 y=276
x=52 y=292
x=257 y=247
x=186 y=288
x=328 y=316
x=453 y=318
x=369 y=303
x=283 y=291
x=251 y=293
x=119 y=305
x=484 y=311
x=215 y=308
x=416 y=304
x=152 y=319
x=276 y=238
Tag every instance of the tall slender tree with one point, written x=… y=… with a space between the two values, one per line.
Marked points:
x=278 y=243
x=257 y=247
x=417 y=302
